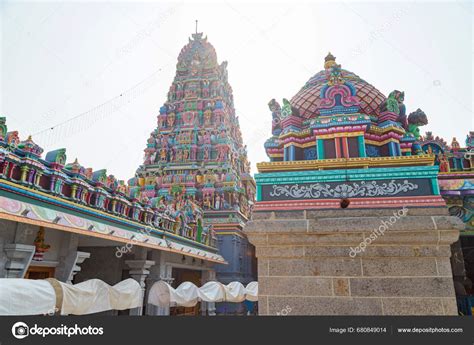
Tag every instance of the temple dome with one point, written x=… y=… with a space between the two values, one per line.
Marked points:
x=308 y=99
x=197 y=55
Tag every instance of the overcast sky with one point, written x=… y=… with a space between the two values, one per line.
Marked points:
x=97 y=73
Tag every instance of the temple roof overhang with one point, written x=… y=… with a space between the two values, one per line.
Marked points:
x=23 y=205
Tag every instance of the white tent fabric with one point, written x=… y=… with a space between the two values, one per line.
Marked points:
x=26 y=297
x=212 y=292
x=94 y=296
x=36 y=297
x=187 y=294
x=252 y=291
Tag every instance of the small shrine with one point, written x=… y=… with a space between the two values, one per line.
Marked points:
x=348 y=208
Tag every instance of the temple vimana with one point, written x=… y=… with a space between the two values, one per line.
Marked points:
x=356 y=211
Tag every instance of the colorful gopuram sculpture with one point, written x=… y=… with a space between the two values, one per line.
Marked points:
x=456 y=174
x=339 y=115
x=348 y=217
x=196 y=153
x=456 y=183
x=70 y=186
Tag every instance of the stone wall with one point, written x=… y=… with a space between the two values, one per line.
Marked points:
x=102 y=264
x=305 y=265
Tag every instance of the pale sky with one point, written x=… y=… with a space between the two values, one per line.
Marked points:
x=65 y=65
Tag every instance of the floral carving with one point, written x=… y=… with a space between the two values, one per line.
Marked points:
x=346 y=190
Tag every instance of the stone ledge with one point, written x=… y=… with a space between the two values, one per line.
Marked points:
x=348 y=212
x=416 y=239
x=407 y=223
x=270 y=226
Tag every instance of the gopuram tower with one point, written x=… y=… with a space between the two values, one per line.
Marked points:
x=196 y=151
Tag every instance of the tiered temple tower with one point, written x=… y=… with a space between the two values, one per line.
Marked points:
x=196 y=151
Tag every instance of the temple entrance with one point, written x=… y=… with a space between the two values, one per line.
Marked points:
x=181 y=275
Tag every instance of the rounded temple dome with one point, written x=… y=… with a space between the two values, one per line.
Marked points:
x=308 y=99
x=198 y=54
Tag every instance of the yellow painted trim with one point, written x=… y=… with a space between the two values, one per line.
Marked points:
x=339 y=135
x=309 y=144
x=356 y=162
x=381 y=143
x=377 y=130
x=303 y=133
x=457 y=172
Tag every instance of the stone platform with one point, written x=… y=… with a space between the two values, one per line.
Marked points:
x=306 y=266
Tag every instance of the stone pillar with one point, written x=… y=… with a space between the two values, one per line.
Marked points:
x=306 y=265
x=80 y=257
x=139 y=272
x=18 y=259
x=160 y=271
x=69 y=258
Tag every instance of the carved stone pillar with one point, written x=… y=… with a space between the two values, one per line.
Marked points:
x=139 y=271
x=18 y=259
x=163 y=271
x=69 y=258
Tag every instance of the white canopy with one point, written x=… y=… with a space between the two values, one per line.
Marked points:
x=26 y=297
x=187 y=294
x=35 y=297
x=94 y=296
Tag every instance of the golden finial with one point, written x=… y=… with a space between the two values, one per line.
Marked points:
x=329 y=61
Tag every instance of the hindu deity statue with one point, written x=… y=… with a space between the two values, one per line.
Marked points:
x=287 y=109
x=455 y=145
x=416 y=119
x=40 y=245
x=394 y=103
x=443 y=162
x=207 y=117
x=171 y=118
x=275 y=108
